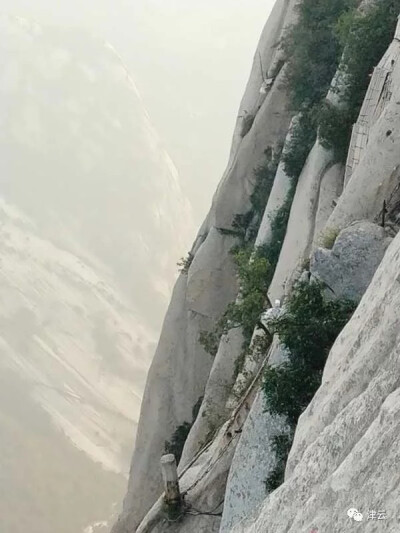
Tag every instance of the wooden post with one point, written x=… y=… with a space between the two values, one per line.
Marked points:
x=173 y=498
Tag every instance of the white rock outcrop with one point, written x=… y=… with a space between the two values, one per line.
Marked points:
x=300 y=231
x=328 y=464
x=254 y=458
x=348 y=268
x=347 y=441
x=181 y=368
x=375 y=171
x=330 y=190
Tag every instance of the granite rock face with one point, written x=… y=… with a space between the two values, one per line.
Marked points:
x=300 y=230
x=347 y=441
x=181 y=368
x=349 y=432
x=348 y=268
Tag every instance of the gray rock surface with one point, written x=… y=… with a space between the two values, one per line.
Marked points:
x=301 y=225
x=377 y=174
x=178 y=373
x=330 y=190
x=348 y=268
x=254 y=458
x=213 y=411
x=181 y=368
x=348 y=440
x=276 y=200
x=253 y=461
x=338 y=435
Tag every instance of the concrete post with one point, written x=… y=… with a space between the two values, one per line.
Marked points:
x=170 y=478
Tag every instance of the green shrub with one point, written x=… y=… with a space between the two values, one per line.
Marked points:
x=281 y=445
x=328 y=32
x=196 y=408
x=255 y=272
x=364 y=38
x=240 y=226
x=314 y=49
x=265 y=175
x=254 y=276
x=279 y=221
x=335 y=127
x=308 y=329
x=329 y=237
x=184 y=263
x=178 y=439
x=311 y=323
x=300 y=144
x=290 y=387
x=210 y=339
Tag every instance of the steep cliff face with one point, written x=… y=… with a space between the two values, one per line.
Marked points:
x=346 y=444
x=181 y=366
x=323 y=227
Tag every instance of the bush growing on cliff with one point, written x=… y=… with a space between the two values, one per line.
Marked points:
x=279 y=221
x=254 y=272
x=184 y=263
x=245 y=226
x=364 y=38
x=328 y=32
x=254 y=275
x=308 y=330
x=281 y=445
x=300 y=144
x=313 y=48
x=264 y=179
x=255 y=267
x=328 y=238
x=178 y=439
x=335 y=126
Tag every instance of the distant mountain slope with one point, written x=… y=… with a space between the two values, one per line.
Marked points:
x=73 y=360
x=47 y=485
x=79 y=154
x=92 y=222
x=69 y=333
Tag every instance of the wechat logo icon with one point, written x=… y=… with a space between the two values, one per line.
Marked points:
x=354 y=514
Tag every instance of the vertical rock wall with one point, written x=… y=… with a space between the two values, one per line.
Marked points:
x=181 y=368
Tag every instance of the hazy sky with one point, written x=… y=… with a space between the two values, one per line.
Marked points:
x=191 y=60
